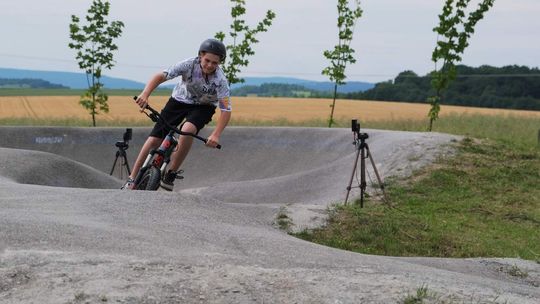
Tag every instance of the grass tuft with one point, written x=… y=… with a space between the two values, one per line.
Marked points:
x=283 y=221
x=517 y=272
x=421 y=295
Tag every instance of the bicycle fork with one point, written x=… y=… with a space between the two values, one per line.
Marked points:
x=161 y=157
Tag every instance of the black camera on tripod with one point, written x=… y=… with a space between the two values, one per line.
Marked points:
x=121 y=153
x=355 y=127
x=127 y=137
x=362 y=153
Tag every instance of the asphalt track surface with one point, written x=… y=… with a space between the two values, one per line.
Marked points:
x=68 y=235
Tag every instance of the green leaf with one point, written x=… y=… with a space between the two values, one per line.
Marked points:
x=243 y=38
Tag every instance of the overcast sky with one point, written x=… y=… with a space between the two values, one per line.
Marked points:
x=390 y=37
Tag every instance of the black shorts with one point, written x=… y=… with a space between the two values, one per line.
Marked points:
x=175 y=112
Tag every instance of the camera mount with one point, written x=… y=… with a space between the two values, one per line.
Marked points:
x=362 y=152
x=121 y=153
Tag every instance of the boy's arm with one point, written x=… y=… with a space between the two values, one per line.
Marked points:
x=153 y=83
x=223 y=120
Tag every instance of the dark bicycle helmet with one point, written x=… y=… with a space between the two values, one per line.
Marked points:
x=214 y=46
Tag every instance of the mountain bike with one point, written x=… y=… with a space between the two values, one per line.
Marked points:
x=154 y=167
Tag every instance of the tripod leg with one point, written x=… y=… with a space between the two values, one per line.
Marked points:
x=126 y=163
x=362 y=176
x=352 y=175
x=381 y=185
x=114 y=164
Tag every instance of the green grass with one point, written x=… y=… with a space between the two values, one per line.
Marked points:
x=279 y=122
x=510 y=129
x=484 y=202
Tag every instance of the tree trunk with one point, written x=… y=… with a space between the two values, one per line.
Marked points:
x=333 y=106
x=94 y=109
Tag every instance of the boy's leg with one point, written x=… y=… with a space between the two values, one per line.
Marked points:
x=196 y=118
x=151 y=143
x=184 y=145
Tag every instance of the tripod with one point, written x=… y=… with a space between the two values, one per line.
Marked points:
x=362 y=152
x=121 y=153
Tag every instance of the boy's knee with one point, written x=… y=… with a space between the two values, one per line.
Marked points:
x=189 y=128
x=154 y=141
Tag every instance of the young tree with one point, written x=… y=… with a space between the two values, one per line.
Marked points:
x=240 y=48
x=94 y=45
x=455 y=30
x=342 y=54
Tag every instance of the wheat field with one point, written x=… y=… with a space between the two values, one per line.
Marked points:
x=122 y=108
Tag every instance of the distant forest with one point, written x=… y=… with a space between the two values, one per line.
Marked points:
x=278 y=90
x=512 y=87
x=29 y=83
x=515 y=87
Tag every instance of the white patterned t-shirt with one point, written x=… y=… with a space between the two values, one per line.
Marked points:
x=194 y=88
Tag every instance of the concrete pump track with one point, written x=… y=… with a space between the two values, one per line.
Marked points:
x=68 y=235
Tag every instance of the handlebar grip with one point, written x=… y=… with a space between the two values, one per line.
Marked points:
x=205 y=140
x=147 y=106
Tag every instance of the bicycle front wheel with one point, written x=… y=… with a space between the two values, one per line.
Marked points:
x=152 y=178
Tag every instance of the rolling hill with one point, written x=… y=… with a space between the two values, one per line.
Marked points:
x=69 y=79
x=78 y=81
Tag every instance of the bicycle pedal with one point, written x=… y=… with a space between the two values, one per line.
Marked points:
x=178 y=176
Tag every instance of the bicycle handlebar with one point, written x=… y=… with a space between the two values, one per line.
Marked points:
x=155 y=116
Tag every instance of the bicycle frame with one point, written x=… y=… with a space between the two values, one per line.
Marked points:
x=164 y=153
x=159 y=158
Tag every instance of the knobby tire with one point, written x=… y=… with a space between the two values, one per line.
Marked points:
x=154 y=178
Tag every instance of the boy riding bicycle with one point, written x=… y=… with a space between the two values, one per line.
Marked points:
x=201 y=88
